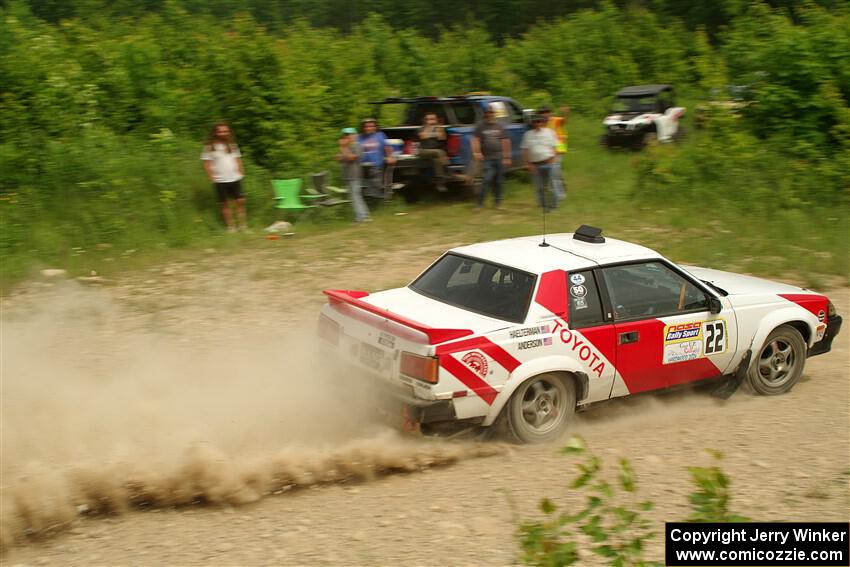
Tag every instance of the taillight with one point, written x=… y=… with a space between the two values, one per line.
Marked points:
x=830 y=310
x=453 y=144
x=329 y=329
x=425 y=368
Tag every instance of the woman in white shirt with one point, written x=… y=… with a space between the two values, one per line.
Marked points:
x=223 y=164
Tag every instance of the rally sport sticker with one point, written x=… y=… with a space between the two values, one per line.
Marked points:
x=697 y=339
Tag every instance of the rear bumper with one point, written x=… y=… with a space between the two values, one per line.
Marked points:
x=395 y=401
x=833 y=327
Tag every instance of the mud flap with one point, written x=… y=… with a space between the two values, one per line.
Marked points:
x=410 y=420
x=728 y=387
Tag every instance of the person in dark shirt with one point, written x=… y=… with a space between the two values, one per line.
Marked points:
x=491 y=147
x=432 y=135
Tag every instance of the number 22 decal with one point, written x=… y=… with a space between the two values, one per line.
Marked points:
x=715 y=337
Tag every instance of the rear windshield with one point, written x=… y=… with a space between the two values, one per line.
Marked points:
x=415 y=115
x=464 y=113
x=479 y=286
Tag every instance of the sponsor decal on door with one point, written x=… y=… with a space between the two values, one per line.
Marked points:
x=692 y=340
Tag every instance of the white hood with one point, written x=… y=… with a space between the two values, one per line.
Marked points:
x=408 y=303
x=736 y=284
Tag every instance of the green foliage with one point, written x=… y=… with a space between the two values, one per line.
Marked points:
x=609 y=524
x=612 y=524
x=710 y=500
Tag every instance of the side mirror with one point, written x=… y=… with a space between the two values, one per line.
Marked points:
x=714 y=305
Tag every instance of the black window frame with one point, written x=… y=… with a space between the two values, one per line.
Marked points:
x=516 y=109
x=609 y=306
x=524 y=316
x=602 y=294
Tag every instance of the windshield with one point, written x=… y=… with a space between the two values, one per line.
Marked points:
x=635 y=104
x=479 y=286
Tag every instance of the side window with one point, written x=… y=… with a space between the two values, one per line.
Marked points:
x=651 y=289
x=516 y=114
x=585 y=306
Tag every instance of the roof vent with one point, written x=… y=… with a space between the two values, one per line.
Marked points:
x=590 y=234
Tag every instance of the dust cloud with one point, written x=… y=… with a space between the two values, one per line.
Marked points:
x=101 y=414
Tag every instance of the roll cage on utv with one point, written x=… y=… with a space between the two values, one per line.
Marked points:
x=641 y=115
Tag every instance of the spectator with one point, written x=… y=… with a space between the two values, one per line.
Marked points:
x=349 y=157
x=491 y=147
x=223 y=164
x=431 y=137
x=375 y=153
x=538 y=146
x=557 y=125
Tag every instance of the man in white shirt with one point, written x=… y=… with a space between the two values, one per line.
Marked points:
x=223 y=164
x=539 y=146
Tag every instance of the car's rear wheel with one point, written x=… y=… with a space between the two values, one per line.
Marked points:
x=541 y=408
x=779 y=363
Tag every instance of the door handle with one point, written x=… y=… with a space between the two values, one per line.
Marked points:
x=630 y=337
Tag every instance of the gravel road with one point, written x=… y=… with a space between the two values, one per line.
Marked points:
x=788 y=456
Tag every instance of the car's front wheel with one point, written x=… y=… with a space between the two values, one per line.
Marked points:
x=541 y=408
x=779 y=363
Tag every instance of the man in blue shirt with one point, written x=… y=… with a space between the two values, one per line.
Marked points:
x=376 y=152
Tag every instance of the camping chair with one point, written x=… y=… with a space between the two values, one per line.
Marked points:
x=286 y=193
x=320 y=189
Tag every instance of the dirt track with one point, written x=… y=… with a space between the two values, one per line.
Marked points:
x=218 y=325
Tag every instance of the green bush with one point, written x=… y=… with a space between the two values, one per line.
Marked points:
x=611 y=528
x=611 y=524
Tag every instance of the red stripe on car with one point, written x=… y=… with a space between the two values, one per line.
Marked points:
x=552 y=292
x=471 y=380
x=814 y=303
x=493 y=350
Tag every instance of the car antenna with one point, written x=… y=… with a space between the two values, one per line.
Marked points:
x=544 y=244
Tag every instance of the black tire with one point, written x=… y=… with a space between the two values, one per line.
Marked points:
x=541 y=409
x=778 y=363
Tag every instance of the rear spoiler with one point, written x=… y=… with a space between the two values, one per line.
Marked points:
x=351 y=297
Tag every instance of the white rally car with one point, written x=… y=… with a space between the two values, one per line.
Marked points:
x=526 y=330
x=641 y=115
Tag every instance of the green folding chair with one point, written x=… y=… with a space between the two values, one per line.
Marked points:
x=287 y=194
